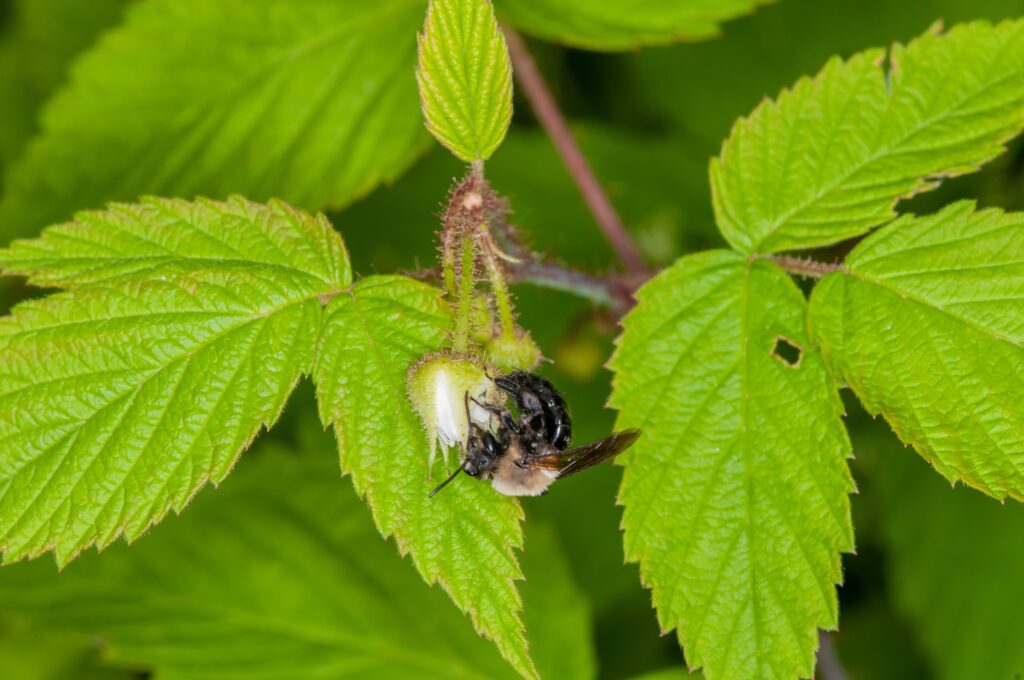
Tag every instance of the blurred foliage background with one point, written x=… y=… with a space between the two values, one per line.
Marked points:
x=934 y=588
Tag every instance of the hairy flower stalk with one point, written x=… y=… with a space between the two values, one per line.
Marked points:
x=502 y=297
x=467 y=286
x=468 y=246
x=444 y=386
x=448 y=264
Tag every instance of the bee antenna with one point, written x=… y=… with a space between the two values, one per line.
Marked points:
x=445 y=482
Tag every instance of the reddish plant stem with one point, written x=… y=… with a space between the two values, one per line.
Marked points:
x=612 y=292
x=550 y=116
x=615 y=293
x=829 y=665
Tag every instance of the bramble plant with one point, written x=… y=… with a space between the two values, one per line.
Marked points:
x=177 y=328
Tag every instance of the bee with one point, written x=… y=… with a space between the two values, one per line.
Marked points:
x=523 y=454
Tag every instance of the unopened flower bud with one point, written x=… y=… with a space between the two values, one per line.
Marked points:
x=513 y=353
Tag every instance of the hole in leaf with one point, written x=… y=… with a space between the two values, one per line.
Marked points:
x=787 y=351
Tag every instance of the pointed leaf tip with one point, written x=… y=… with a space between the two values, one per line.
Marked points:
x=465 y=77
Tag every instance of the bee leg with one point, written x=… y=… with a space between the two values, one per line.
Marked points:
x=503 y=415
x=496 y=410
x=509 y=422
x=469 y=422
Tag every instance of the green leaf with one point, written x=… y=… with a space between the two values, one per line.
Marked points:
x=758 y=55
x=623 y=24
x=955 y=560
x=31 y=654
x=830 y=158
x=161 y=238
x=674 y=673
x=310 y=100
x=52 y=33
x=43 y=38
x=465 y=77
x=736 y=493
x=280 y=574
x=18 y=111
x=555 y=610
x=926 y=324
x=464 y=537
x=123 y=396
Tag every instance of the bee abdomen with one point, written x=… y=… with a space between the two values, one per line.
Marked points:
x=537 y=397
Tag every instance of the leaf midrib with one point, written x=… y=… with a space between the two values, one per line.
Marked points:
x=880 y=153
x=37 y=275
x=157 y=370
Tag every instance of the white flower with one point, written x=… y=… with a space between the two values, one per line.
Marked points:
x=440 y=388
x=449 y=411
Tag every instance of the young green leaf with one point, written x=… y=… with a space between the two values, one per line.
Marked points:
x=465 y=536
x=736 y=493
x=121 y=397
x=278 y=575
x=829 y=159
x=926 y=324
x=465 y=77
x=623 y=24
x=310 y=100
x=955 y=560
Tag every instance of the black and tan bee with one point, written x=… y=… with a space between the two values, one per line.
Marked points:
x=523 y=454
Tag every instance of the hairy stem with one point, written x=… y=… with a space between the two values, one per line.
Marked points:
x=502 y=298
x=609 y=292
x=550 y=116
x=613 y=293
x=801 y=266
x=466 y=289
x=448 y=265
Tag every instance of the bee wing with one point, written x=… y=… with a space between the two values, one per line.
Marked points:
x=571 y=461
